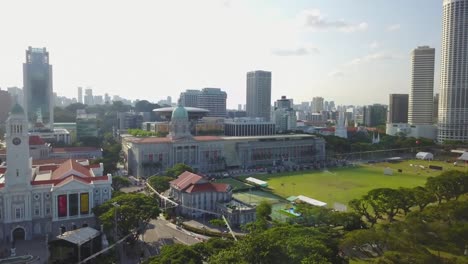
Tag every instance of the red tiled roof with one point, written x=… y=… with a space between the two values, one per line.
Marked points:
x=58 y=181
x=48 y=161
x=48 y=167
x=207 y=138
x=149 y=140
x=71 y=178
x=2 y=170
x=186 y=179
x=36 y=140
x=74 y=149
x=67 y=166
x=208 y=187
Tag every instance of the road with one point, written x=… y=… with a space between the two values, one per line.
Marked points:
x=160 y=232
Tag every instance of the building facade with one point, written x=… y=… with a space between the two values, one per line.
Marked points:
x=240 y=127
x=398 y=108
x=421 y=97
x=453 y=101
x=259 y=94
x=145 y=156
x=214 y=100
x=189 y=98
x=80 y=95
x=45 y=199
x=37 y=83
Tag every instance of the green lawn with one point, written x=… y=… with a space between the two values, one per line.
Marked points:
x=344 y=184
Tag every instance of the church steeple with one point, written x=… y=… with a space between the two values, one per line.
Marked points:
x=19 y=170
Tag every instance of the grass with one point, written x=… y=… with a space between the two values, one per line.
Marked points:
x=344 y=184
x=236 y=185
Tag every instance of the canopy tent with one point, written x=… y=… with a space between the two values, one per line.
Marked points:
x=311 y=201
x=464 y=156
x=257 y=181
x=424 y=156
x=79 y=236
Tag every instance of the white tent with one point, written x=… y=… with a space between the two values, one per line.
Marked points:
x=464 y=156
x=424 y=156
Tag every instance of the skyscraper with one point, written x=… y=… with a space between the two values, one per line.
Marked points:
x=259 y=94
x=213 y=99
x=37 y=82
x=398 y=109
x=317 y=103
x=189 y=98
x=89 y=98
x=421 y=97
x=80 y=95
x=453 y=101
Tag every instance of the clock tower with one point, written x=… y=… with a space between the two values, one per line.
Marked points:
x=19 y=172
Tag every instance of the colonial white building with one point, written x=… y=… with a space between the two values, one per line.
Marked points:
x=46 y=198
x=145 y=156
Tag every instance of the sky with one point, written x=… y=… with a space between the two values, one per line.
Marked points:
x=350 y=51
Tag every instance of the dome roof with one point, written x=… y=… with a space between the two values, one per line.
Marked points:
x=17 y=109
x=179 y=113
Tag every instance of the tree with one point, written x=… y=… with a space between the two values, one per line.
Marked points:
x=178 y=169
x=120 y=182
x=217 y=222
x=177 y=254
x=263 y=210
x=365 y=207
x=160 y=183
x=132 y=210
x=422 y=197
x=406 y=199
x=385 y=200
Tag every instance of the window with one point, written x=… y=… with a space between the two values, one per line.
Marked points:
x=18 y=213
x=36 y=211
x=47 y=210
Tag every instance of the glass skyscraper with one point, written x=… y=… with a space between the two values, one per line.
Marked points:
x=37 y=81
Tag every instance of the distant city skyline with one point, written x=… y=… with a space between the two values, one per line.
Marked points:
x=339 y=50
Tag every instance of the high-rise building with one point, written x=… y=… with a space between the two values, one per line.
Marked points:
x=80 y=95
x=37 y=83
x=259 y=94
x=284 y=103
x=436 y=107
x=421 y=97
x=453 y=101
x=189 y=98
x=5 y=105
x=107 y=98
x=398 y=108
x=317 y=103
x=374 y=115
x=214 y=100
x=89 y=98
x=16 y=94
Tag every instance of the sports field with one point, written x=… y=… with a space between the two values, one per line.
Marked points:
x=344 y=184
x=254 y=197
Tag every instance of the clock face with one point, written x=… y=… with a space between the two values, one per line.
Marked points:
x=16 y=141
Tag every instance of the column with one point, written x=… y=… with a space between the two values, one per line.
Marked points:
x=79 y=204
x=68 y=206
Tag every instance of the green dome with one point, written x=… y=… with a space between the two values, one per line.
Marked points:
x=17 y=109
x=179 y=113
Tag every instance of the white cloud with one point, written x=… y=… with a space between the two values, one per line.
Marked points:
x=374 y=45
x=314 y=20
x=336 y=74
x=394 y=27
x=302 y=51
x=371 y=57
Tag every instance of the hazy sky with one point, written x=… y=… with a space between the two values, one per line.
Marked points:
x=350 y=51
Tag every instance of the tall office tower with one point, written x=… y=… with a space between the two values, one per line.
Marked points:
x=398 y=108
x=331 y=105
x=6 y=102
x=80 y=95
x=169 y=100
x=189 y=98
x=107 y=99
x=421 y=96
x=37 y=83
x=239 y=107
x=317 y=102
x=213 y=99
x=16 y=94
x=284 y=103
x=259 y=94
x=89 y=98
x=453 y=101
